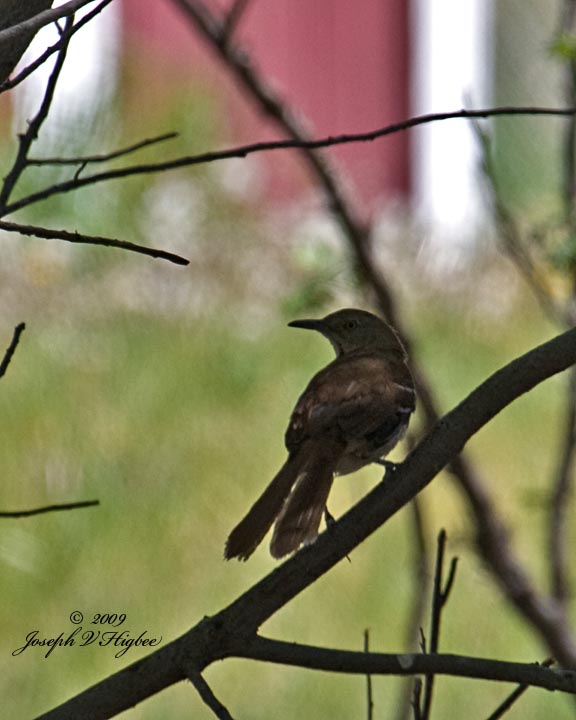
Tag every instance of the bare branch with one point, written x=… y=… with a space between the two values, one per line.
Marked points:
x=39 y=21
x=205 y=692
x=75 y=237
x=25 y=141
x=232 y=631
x=416 y=700
x=233 y=18
x=243 y=151
x=48 y=509
x=439 y=599
x=346 y=661
x=66 y=35
x=420 y=583
x=88 y=159
x=11 y=349
x=369 y=698
x=513 y=697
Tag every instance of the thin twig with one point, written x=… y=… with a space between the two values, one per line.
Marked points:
x=205 y=692
x=416 y=700
x=369 y=698
x=104 y=157
x=66 y=35
x=48 y=509
x=440 y=594
x=43 y=18
x=503 y=708
x=243 y=151
x=233 y=19
x=11 y=349
x=75 y=237
x=420 y=581
x=26 y=139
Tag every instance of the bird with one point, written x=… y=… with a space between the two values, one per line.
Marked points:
x=352 y=413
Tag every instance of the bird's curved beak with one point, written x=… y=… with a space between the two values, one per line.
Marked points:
x=308 y=324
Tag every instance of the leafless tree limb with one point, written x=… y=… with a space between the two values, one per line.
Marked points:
x=344 y=661
x=65 y=37
x=48 y=509
x=11 y=349
x=26 y=139
x=75 y=237
x=243 y=151
x=232 y=632
x=205 y=692
x=515 y=695
x=233 y=18
x=440 y=596
x=104 y=157
x=40 y=20
x=420 y=583
x=369 y=697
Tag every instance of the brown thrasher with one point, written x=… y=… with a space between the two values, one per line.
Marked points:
x=352 y=413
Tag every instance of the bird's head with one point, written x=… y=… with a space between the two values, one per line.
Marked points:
x=350 y=330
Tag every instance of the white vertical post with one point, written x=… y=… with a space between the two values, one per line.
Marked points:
x=452 y=69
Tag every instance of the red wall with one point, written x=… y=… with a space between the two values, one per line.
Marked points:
x=344 y=64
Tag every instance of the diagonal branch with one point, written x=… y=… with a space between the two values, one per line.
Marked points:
x=11 y=349
x=26 y=139
x=84 y=160
x=232 y=631
x=515 y=695
x=207 y=695
x=65 y=37
x=33 y=24
x=345 y=661
x=48 y=509
x=75 y=237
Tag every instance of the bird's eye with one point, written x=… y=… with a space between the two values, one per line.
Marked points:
x=350 y=324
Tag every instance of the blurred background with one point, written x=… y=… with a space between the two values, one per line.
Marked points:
x=164 y=391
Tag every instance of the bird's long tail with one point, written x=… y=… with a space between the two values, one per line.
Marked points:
x=250 y=531
x=299 y=519
x=310 y=472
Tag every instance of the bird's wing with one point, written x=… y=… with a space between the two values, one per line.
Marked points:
x=353 y=397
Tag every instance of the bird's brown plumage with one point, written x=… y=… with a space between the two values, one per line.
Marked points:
x=352 y=412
